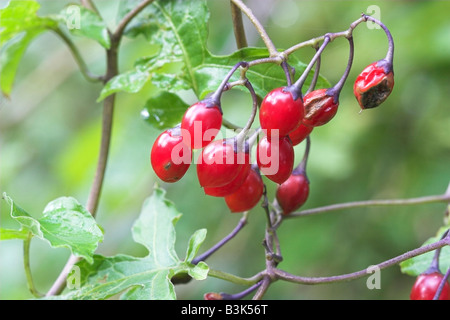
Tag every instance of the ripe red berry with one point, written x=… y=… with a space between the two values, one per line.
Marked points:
x=170 y=157
x=275 y=158
x=201 y=124
x=300 y=134
x=320 y=107
x=218 y=164
x=374 y=84
x=426 y=286
x=248 y=194
x=293 y=193
x=232 y=186
x=279 y=111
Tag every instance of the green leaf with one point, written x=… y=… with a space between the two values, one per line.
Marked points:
x=131 y=81
x=19 y=25
x=183 y=60
x=137 y=278
x=83 y=22
x=65 y=223
x=10 y=234
x=194 y=244
x=415 y=266
x=164 y=110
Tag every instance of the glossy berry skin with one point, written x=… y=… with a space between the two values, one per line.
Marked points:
x=201 y=124
x=275 y=158
x=293 y=193
x=170 y=157
x=248 y=194
x=300 y=134
x=218 y=164
x=426 y=286
x=320 y=107
x=232 y=186
x=374 y=84
x=279 y=111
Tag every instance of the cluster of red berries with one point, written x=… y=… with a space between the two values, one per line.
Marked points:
x=224 y=166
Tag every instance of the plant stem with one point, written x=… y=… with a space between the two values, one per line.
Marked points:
x=262 y=32
x=371 y=203
x=442 y=284
x=233 y=278
x=262 y=289
x=78 y=58
x=221 y=243
x=89 y=5
x=238 y=26
x=26 y=263
x=128 y=17
x=283 y=275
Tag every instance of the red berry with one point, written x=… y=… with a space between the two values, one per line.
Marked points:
x=218 y=164
x=426 y=286
x=374 y=84
x=293 y=193
x=320 y=107
x=170 y=157
x=248 y=194
x=232 y=186
x=201 y=124
x=275 y=158
x=279 y=111
x=300 y=134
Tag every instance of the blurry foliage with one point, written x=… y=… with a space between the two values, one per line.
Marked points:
x=50 y=134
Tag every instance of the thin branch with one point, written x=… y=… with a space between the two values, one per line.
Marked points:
x=372 y=203
x=221 y=243
x=128 y=17
x=26 y=263
x=238 y=26
x=235 y=279
x=90 y=5
x=283 y=275
x=262 y=32
x=444 y=280
x=262 y=289
x=78 y=58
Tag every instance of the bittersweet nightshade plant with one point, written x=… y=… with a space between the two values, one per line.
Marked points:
x=237 y=168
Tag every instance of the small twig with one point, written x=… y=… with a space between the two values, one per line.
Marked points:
x=26 y=263
x=262 y=32
x=238 y=26
x=235 y=279
x=283 y=275
x=78 y=58
x=371 y=203
x=262 y=289
x=441 y=285
x=221 y=243
x=89 y=5
x=128 y=17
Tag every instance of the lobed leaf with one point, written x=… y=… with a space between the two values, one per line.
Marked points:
x=84 y=22
x=19 y=25
x=183 y=60
x=65 y=223
x=135 y=278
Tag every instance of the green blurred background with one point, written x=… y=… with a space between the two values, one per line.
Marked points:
x=50 y=135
